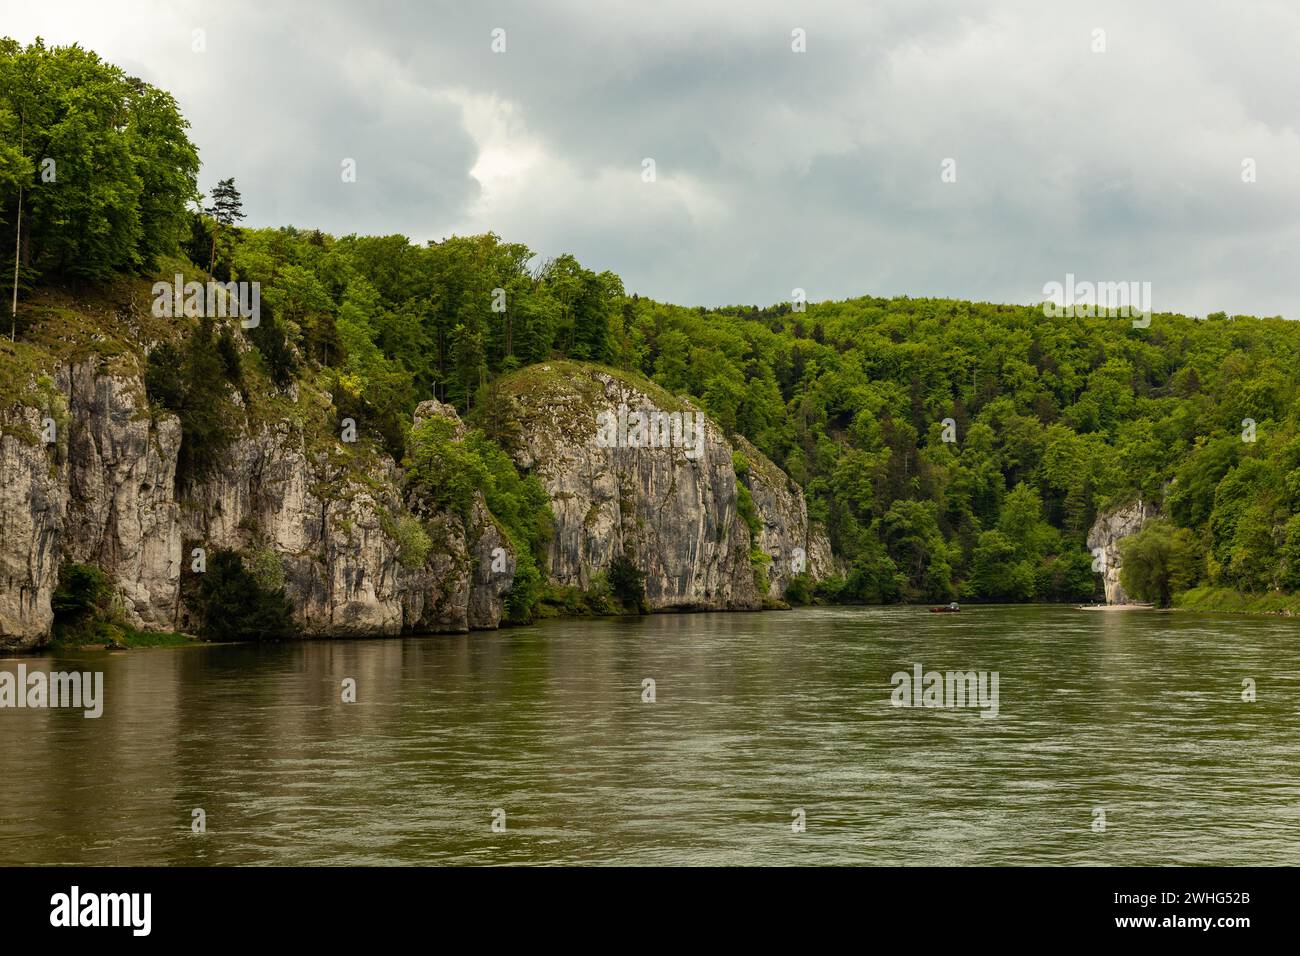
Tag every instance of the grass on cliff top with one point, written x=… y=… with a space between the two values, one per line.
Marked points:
x=567 y=377
x=543 y=396
x=22 y=365
x=759 y=463
x=59 y=325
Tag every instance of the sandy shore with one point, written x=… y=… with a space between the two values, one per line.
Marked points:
x=1116 y=607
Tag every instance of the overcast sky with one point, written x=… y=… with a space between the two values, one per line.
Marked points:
x=774 y=169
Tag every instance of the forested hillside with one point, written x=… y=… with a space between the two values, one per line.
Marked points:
x=1054 y=420
x=1049 y=421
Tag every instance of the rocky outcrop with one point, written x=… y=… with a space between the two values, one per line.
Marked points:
x=106 y=493
x=121 y=490
x=1107 y=531
x=461 y=588
x=324 y=523
x=630 y=469
x=793 y=544
x=492 y=572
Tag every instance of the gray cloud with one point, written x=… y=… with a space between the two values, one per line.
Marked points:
x=775 y=170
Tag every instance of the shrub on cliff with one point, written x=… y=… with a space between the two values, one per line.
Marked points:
x=799 y=589
x=627 y=583
x=517 y=501
x=747 y=511
x=235 y=606
x=413 y=542
x=439 y=465
x=525 y=591
x=448 y=471
x=89 y=610
x=192 y=382
x=83 y=590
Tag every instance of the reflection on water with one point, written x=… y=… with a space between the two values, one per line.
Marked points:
x=756 y=716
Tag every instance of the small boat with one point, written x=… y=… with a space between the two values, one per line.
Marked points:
x=949 y=609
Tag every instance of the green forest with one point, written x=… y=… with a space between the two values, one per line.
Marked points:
x=1054 y=420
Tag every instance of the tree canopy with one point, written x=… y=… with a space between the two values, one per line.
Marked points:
x=103 y=160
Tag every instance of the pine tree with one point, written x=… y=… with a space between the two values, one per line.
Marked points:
x=227 y=208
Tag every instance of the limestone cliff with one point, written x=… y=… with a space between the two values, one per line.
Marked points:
x=33 y=502
x=631 y=469
x=106 y=491
x=1107 y=531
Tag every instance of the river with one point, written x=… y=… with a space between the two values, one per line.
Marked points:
x=771 y=739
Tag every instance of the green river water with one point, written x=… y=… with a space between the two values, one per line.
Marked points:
x=755 y=717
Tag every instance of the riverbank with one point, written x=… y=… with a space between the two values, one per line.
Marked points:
x=1228 y=601
x=115 y=637
x=1210 y=600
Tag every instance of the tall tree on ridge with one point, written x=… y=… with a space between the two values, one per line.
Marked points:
x=227 y=208
x=16 y=74
x=18 y=244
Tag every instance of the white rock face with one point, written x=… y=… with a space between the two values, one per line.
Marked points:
x=340 y=565
x=121 y=481
x=1106 y=533
x=33 y=495
x=108 y=495
x=674 y=513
